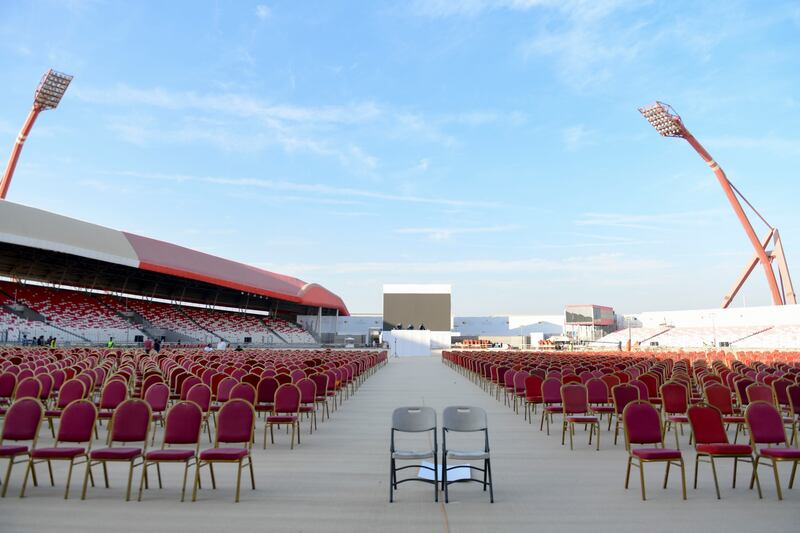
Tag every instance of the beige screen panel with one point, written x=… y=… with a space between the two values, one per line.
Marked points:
x=433 y=310
x=28 y=226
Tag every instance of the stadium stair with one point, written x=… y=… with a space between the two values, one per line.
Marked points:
x=759 y=332
x=199 y=325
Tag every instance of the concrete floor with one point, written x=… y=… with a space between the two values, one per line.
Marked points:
x=336 y=481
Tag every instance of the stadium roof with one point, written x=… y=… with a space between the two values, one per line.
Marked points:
x=42 y=230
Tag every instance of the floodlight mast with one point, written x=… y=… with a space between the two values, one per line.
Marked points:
x=47 y=96
x=669 y=124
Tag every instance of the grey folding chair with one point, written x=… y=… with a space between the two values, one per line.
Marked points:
x=463 y=419
x=413 y=420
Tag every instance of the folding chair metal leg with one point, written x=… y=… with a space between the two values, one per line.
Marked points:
x=714 y=473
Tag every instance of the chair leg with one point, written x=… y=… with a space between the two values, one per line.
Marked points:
x=7 y=476
x=491 y=484
x=696 y=465
x=25 y=477
x=130 y=479
x=196 y=480
x=777 y=479
x=391 y=480
x=641 y=479
x=105 y=474
x=754 y=477
x=714 y=472
x=213 y=478
x=252 y=476
x=86 y=478
x=238 y=480
x=791 y=478
x=735 y=464
x=185 y=475
x=141 y=481
x=666 y=474
x=628 y=472
x=683 y=478
x=69 y=476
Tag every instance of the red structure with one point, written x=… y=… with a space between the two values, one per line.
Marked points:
x=47 y=96
x=664 y=119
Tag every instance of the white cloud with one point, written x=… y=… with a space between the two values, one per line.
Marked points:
x=314 y=189
x=592 y=264
x=439 y=234
x=575 y=137
x=471 y=8
x=263 y=11
x=656 y=221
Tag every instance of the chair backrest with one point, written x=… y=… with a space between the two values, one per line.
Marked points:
x=224 y=388
x=287 y=399
x=414 y=419
x=622 y=395
x=77 y=422
x=297 y=375
x=793 y=393
x=674 y=397
x=740 y=386
x=8 y=382
x=533 y=386
x=779 y=389
x=720 y=397
x=28 y=388
x=597 y=390
x=131 y=421
x=150 y=380
x=765 y=423
x=642 y=423
x=157 y=395
x=187 y=385
x=519 y=380
x=321 y=381
x=464 y=418
x=22 y=420
x=114 y=393
x=610 y=380
x=644 y=392
x=235 y=422
x=266 y=389
x=308 y=390
x=574 y=398
x=706 y=422
x=46 y=382
x=759 y=393
x=252 y=379
x=571 y=378
x=551 y=390
x=243 y=391
x=283 y=379
x=183 y=423
x=200 y=394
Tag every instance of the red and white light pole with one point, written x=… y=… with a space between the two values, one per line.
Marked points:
x=47 y=96
x=666 y=122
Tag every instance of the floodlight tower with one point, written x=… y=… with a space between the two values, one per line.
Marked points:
x=667 y=122
x=47 y=96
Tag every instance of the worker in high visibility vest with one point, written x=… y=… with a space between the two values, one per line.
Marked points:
x=110 y=343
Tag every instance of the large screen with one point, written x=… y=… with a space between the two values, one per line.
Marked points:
x=432 y=310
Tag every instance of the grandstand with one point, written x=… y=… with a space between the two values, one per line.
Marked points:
x=84 y=283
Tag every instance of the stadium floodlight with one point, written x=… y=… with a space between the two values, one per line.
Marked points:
x=47 y=96
x=669 y=124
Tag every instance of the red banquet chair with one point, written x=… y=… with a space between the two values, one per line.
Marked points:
x=675 y=402
x=575 y=408
x=200 y=394
x=621 y=395
x=76 y=427
x=308 y=406
x=114 y=393
x=157 y=396
x=286 y=410
x=642 y=425
x=711 y=441
x=533 y=395
x=766 y=427
x=551 y=401
x=130 y=424
x=8 y=382
x=184 y=423
x=720 y=397
x=22 y=422
x=321 y=381
x=235 y=425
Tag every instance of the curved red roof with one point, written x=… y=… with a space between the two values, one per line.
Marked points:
x=29 y=226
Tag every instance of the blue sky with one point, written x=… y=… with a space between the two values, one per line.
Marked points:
x=491 y=144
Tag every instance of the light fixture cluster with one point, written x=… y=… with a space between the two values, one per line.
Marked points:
x=50 y=90
x=664 y=119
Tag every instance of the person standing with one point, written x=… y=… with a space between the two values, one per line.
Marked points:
x=157 y=345
x=110 y=343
